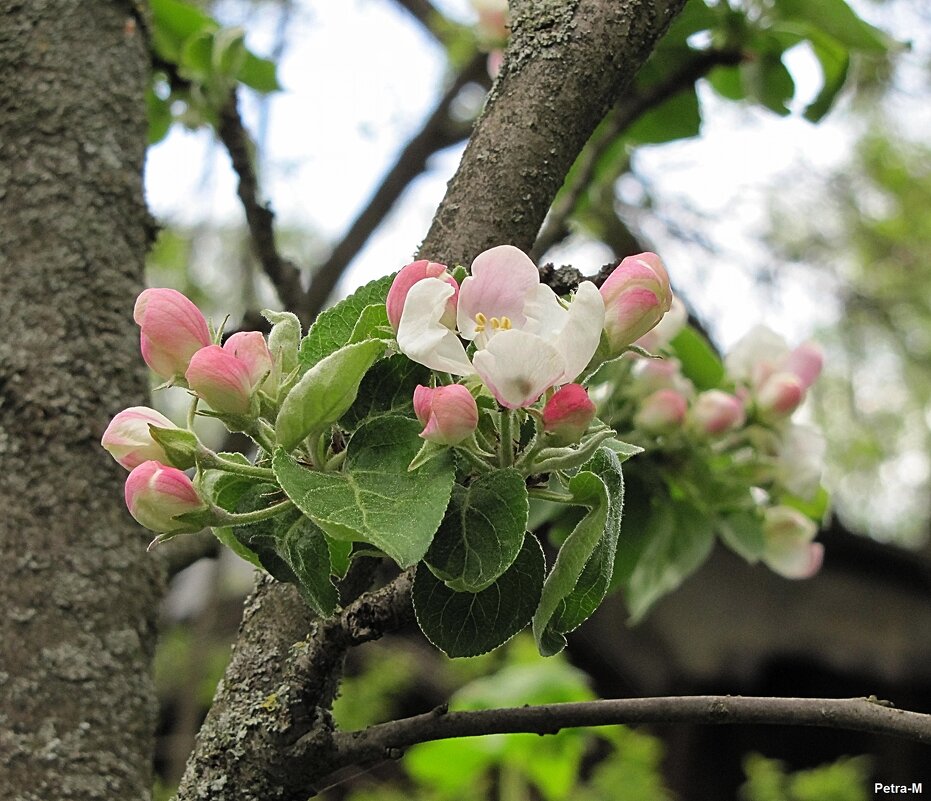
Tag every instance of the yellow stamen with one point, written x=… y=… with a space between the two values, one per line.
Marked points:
x=480 y=321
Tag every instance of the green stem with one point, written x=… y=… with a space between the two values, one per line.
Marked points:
x=474 y=458
x=263 y=434
x=549 y=495
x=209 y=459
x=230 y=519
x=506 y=438
x=192 y=413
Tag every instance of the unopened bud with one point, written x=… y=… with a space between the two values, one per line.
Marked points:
x=568 y=414
x=449 y=414
x=715 y=412
x=155 y=494
x=221 y=379
x=128 y=439
x=172 y=330
x=661 y=412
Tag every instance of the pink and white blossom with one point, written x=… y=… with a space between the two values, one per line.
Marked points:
x=714 y=412
x=636 y=296
x=221 y=379
x=779 y=395
x=526 y=339
x=567 y=415
x=172 y=331
x=661 y=412
x=449 y=414
x=155 y=494
x=406 y=278
x=250 y=348
x=128 y=440
x=788 y=549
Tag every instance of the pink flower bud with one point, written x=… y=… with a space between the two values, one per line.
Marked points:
x=636 y=296
x=127 y=438
x=173 y=330
x=788 y=548
x=410 y=275
x=661 y=412
x=568 y=413
x=779 y=395
x=653 y=374
x=449 y=414
x=665 y=330
x=250 y=348
x=805 y=362
x=221 y=379
x=715 y=412
x=156 y=493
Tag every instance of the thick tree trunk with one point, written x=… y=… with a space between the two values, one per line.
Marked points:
x=79 y=594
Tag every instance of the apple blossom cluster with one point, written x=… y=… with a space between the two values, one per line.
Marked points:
x=741 y=426
x=419 y=419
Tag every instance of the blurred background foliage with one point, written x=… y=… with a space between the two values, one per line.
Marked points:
x=838 y=248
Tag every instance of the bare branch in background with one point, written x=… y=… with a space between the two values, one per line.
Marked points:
x=284 y=274
x=182 y=552
x=438 y=132
x=424 y=12
x=385 y=740
x=627 y=110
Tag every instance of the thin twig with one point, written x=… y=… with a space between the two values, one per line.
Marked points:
x=437 y=132
x=284 y=274
x=425 y=13
x=853 y=714
x=625 y=112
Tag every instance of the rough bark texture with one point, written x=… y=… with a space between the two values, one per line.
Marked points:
x=567 y=61
x=566 y=64
x=77 y=704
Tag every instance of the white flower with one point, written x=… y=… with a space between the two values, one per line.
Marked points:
x=526 y=340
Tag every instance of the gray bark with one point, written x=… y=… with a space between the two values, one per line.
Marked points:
x=566 y=65
x=79 y=595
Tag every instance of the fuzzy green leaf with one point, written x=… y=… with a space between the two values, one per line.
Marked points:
x=469 y=624
x=482 y=532
x=374 y=498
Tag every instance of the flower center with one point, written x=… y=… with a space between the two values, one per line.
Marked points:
x=495 y=323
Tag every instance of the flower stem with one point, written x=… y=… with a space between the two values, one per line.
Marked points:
x=549 y=495
x=231 y=519
x=209 y=459
x=506 y=438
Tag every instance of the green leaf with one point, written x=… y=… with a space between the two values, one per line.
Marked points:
x=482 y=532
x=387 y=388
x=375 y=499
x=304 y=548
x=768 y=81
x=700 y=363
x=334 y=327
x=838 y=20
x=835 y=61
x=159 y=116
x=227 y=490
x=372 y=324
x=196 y=56
x=469 y=624
x=325 y=392
x=582 y=572
x=259 y=74
x=726 y=81
x=742 y=532
x=173 y=23
x=678 y=540
x=677 y=118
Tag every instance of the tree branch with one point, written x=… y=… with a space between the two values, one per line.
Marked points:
x=425 y=13
x=566 y=63
x=387 y=740
x=284 y=274
x=627 y=110
x=438 y=132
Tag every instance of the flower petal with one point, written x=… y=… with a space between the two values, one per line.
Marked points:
x=579 y=337
x=503 y=279
x=421 y=335
x=518 y=367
